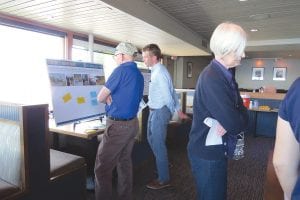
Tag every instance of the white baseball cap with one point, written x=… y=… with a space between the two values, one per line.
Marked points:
x=126 y=48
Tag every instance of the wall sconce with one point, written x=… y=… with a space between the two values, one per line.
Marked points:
x=258 y=63
x=280 y=62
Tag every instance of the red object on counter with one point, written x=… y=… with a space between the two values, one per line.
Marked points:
x=246 y=100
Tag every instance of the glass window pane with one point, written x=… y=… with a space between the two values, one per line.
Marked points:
x=79 y=54
x=24 y=77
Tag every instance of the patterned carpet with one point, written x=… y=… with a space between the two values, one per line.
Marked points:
x=245 y=177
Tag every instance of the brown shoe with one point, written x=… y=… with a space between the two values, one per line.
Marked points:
x=156 y=185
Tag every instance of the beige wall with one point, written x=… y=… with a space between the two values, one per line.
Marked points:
x=244 y=73
x=181 y=79
x=169 y=63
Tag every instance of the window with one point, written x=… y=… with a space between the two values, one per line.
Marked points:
x=23 y=69
x=103 y=54
x=80 y=54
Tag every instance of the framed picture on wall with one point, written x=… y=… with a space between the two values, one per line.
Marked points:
x=279 y=73
x=258 y=73
x=189 y=69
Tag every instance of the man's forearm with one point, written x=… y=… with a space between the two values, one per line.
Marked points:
x=104 y=95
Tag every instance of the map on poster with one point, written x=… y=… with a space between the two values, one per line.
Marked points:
x=74 y=90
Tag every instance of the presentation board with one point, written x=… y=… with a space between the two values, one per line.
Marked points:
x=147 y=77
x=74 y=90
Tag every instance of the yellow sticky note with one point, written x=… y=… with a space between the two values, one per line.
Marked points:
x=67 y=97
x=80 y=100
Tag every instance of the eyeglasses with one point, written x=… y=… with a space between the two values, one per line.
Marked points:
x=115 y=56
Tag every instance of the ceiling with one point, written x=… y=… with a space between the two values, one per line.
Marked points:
x=180 y=27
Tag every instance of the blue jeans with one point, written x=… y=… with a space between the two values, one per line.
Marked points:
x=210 y=177
x=156 y=134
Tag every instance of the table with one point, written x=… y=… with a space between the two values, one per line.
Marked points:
x=80 y=129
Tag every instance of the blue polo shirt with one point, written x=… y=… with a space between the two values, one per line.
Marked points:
x=289 y=111
x=126 y=85
x=290 y=107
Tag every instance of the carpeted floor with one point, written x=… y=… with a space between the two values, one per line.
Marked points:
x=246 y=177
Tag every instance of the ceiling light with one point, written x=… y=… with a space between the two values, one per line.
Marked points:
x=253 y=29
x=243 y=0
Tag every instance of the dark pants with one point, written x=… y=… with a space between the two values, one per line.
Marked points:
x=210 y=177
x=115 y=151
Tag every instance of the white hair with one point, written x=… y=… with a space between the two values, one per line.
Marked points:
x=226 y=38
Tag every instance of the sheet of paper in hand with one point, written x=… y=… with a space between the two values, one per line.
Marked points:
x=212 y=137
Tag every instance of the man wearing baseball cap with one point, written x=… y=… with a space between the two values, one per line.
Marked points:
x=122 y=94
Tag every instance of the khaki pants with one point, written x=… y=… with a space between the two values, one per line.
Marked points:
x=115 y=151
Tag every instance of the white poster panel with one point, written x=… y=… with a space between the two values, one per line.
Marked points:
x=74 y=90
x=147 y=78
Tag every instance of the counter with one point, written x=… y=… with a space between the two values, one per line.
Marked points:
x=263 y=122
x=257 y=95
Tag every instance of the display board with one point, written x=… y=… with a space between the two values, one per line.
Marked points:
x=147 y=78
x=74 y=90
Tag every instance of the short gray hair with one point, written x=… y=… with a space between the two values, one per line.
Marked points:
x=228 y=37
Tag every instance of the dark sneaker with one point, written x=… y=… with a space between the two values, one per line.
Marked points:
x=156 y=185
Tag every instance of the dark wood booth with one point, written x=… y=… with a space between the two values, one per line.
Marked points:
x=30 y=170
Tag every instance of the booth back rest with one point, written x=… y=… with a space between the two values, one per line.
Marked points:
x=10 y=111
x=13 y=146
x=11 y=152
x=33 y=122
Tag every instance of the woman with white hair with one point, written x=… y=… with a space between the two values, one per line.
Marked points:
x=217 y=98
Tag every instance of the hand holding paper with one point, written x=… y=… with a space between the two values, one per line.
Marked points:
x=215 y=133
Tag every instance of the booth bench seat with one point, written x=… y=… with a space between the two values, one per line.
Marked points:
x=27 y=164
x=67 y=176
x=7 y=190
x=63 y=163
